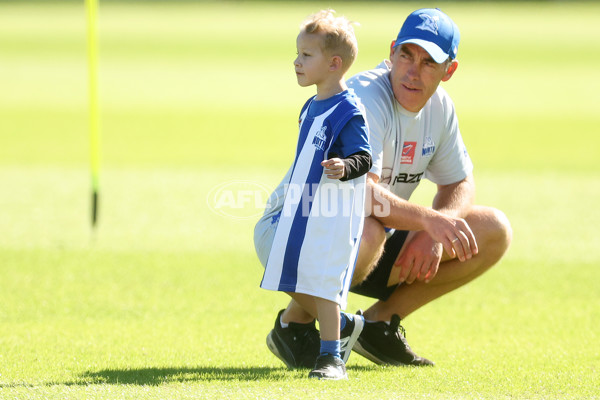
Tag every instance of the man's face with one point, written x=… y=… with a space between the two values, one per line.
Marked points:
x=415 y=76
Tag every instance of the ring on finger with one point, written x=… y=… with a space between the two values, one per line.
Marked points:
x=455 y=239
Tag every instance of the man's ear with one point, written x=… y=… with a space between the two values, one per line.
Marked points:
x=335 y=63
x=392 y=48
x=450 y=71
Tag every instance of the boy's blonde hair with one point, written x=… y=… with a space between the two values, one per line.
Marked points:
x=338 y=35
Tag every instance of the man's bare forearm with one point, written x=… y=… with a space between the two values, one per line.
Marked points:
x=455 y=199
x=452 y=232
x=393 y=211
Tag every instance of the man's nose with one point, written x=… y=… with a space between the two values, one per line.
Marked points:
x=413 y=71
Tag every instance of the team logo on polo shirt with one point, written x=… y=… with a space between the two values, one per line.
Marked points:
x=408 y=152
x=428 y=147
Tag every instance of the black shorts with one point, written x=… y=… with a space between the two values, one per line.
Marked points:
x=376 y=283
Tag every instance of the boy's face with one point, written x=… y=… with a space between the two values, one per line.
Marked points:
x=312 y=65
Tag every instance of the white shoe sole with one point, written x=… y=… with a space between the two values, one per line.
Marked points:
x=271 y=345
x=360 y=350
x=348 y=344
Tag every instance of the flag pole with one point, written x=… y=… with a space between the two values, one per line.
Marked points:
x=94 y=120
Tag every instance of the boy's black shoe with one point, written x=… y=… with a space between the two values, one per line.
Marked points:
x=350 y=335
x=385 y=344
x=298 y=345
x=329 y=367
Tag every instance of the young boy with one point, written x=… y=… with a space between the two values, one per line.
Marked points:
x=309 y=235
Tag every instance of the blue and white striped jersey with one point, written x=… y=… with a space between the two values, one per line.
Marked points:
x=320 y=220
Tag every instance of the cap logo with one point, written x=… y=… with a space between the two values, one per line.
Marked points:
x=429 y=23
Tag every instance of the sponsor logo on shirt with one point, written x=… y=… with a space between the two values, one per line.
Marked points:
x=408 y=152
x=320 y=138
x=428 y=147
x=407 y=178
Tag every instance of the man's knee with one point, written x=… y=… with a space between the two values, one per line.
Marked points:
x=373 y=234
x=371 y=248
x=504 y=227
x=492 y=230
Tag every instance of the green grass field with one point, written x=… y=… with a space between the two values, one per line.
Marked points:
x=162 y=302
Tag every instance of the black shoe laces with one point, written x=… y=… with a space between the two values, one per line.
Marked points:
x=395 y=327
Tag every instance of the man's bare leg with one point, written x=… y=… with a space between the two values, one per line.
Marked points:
x=370 y=251
x=296 y=313
x=493 y=233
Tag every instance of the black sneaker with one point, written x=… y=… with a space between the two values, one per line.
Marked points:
x=350 y=334
x=329 y=367
x=298 y=345
x=385 y=344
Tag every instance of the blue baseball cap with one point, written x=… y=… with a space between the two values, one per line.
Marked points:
x=433 y=30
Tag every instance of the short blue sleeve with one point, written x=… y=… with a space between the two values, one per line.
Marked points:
x=353 y=137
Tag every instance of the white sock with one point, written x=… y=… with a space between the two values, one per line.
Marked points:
x=283 y=324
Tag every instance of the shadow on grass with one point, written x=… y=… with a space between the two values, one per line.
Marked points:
x=158 y=376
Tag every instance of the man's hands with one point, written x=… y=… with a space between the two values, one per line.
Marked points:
x=453 y=233
x=334 y=168
x=421 y=256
